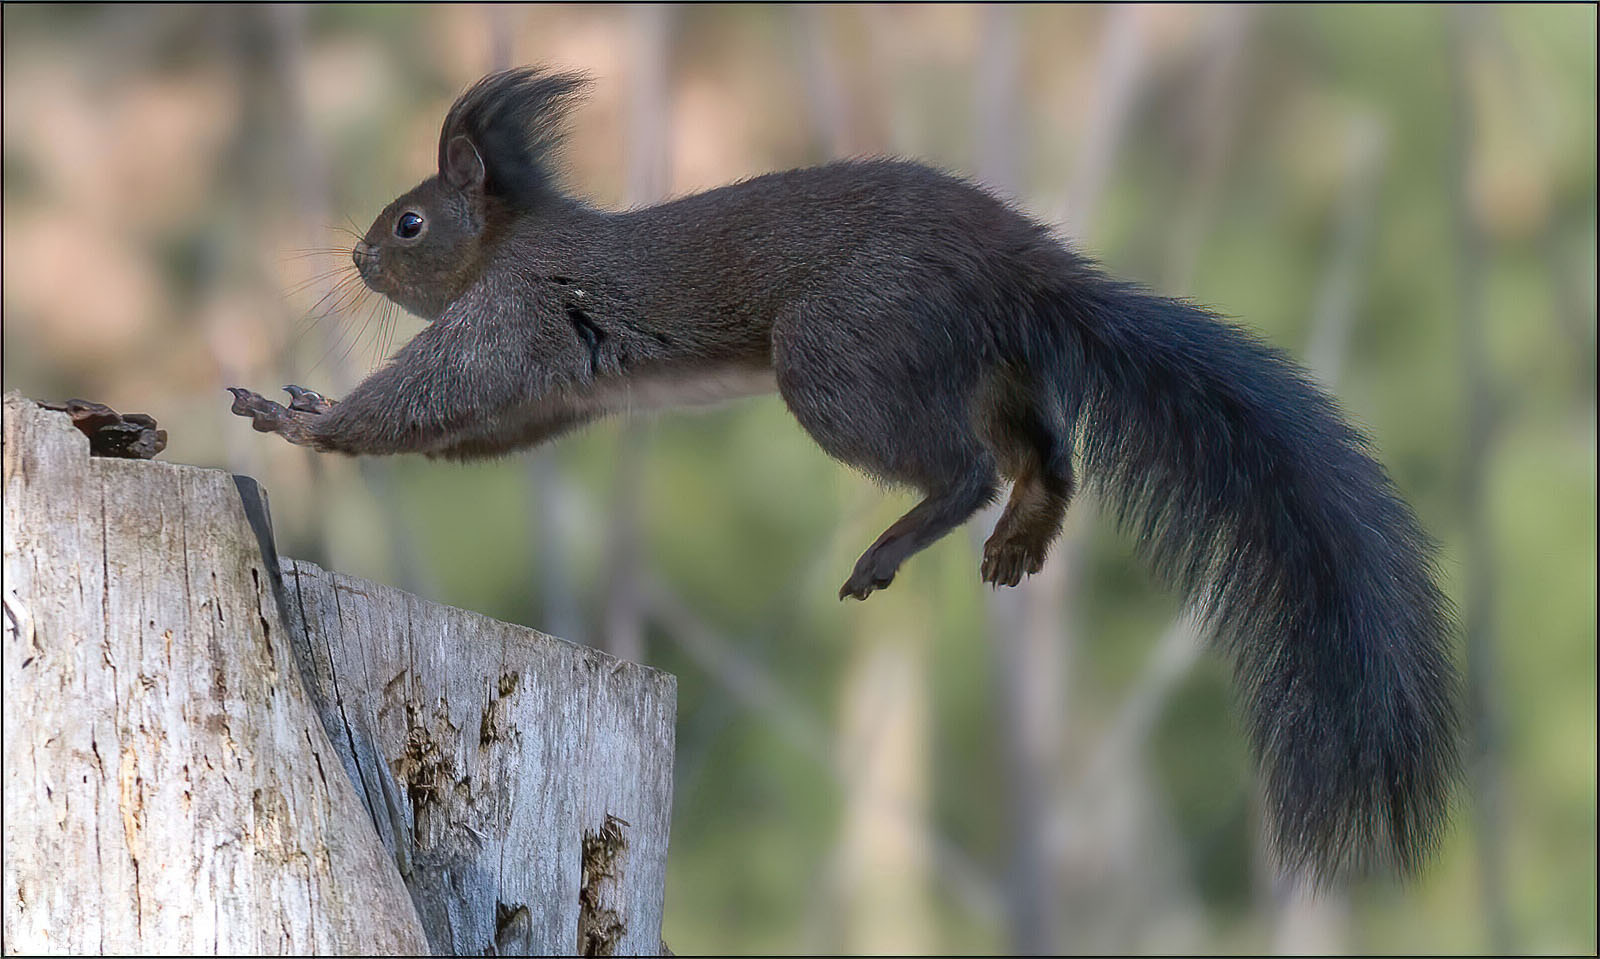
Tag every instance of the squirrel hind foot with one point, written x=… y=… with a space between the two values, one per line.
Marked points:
x=1028 y=525
x=874 y=570
x=1007 y=561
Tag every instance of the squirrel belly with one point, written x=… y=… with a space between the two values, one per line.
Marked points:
x=672 y=389
x=932 y=335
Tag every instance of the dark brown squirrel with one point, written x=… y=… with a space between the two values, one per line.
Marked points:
x=934 y=336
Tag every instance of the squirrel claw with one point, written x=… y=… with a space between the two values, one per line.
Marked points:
x=265 y=415
x=1008 y=562
x=269 y=417
x=308 y=401
x=864 y=581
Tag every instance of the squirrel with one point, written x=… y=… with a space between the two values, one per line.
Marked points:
x=932 y=335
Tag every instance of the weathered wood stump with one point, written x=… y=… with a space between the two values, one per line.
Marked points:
x=209 y=752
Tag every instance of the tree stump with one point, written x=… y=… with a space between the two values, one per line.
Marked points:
x=209 y=752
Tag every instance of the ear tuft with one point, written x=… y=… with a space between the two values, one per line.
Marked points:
x=512 y=122
x=463 y=165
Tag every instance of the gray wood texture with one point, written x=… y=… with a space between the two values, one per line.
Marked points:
x=523 y=783
x=168 y=787
x=170 y=784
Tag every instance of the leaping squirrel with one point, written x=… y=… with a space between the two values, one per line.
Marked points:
x=926 y=332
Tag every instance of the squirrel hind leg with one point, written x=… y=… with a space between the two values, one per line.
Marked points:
x=927 y=522
x=1028 y=525
x=869 y=401
x=1038 y=457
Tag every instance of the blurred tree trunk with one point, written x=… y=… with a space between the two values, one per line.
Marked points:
x=1031 y=627
x=826 y=104
x=649 y=107
x=348 y=307
x=1118 y=76
x=552 y=530
x=1122 y=841
x=1211 y=121
x=1305 y=921
x=883 y=858
x=1027 y=634
x=1466 y=27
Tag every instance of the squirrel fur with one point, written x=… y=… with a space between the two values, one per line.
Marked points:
x=930 y=334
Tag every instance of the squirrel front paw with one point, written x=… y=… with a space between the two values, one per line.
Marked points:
x=289 y=422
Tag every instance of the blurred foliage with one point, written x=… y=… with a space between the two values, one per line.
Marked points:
x=162 y=166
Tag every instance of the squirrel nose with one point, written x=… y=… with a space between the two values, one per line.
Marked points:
x=364 y=255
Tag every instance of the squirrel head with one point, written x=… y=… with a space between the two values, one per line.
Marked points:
x=495 y=154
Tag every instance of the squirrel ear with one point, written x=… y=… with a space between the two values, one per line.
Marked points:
x=463 y=166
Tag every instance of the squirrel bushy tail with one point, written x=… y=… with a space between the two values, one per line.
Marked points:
x=1250 y=493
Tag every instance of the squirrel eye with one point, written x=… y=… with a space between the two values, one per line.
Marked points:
x=408 y=226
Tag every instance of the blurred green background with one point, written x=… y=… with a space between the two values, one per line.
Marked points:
x=1402 y=196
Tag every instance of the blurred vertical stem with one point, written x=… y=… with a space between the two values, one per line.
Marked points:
x=649 y=105
x=872 y=890
x=249 y=159
x=501 y=36
x=1025 y=625
x=1031 y=627
x=551 y=537
x=1213 y=120
x=1146 y=879
x=1303 y=920
x=552 y=534
x=884 y=853
x=819 y=70
x=304 y=161
x=1338 y=296
x=1465 y=27
x=1118 y=73
x=305 y=164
